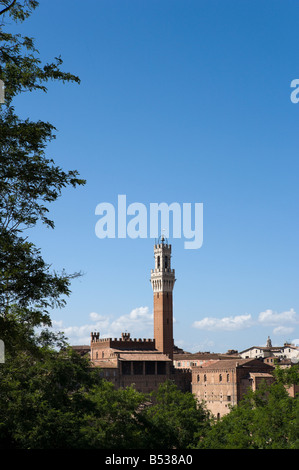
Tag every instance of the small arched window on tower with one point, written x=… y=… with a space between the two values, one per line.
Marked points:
x=166 y=262
x=158 y=262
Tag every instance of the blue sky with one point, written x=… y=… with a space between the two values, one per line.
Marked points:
x=180 y=101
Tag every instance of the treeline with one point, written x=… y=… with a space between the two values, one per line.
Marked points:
x=57 y=401
x=50 y=397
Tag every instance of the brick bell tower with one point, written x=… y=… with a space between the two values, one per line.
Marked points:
x=162 y=280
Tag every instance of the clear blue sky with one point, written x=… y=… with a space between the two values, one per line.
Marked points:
x=180 y=101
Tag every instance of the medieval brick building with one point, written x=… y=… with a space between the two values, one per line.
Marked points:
x=219 y=380
x=224 y=383
x=145 y=362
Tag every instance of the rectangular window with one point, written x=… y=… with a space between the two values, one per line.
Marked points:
x=150 y=368
x=137 y=367
x=161 y=368
x=126 y=368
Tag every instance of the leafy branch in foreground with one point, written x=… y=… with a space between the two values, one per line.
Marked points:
x=29 y=182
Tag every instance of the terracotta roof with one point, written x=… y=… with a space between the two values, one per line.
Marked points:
x=232 y=363
x=105 y=364
x=135 y=351
x=190 y=356
x=203 y=356
x=271 y=348
x=146 y=356
x=260 y=374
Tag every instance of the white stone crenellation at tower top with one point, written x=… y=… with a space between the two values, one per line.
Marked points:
x=162 y=276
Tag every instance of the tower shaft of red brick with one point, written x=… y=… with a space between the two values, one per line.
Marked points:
x=163 y=279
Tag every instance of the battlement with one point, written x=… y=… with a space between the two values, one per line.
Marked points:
x=162 y=245
x=94 y=337
x=164 y=270
x=125 y=342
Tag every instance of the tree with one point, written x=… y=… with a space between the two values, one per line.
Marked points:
x=45 y=401
x=17 y=9
x=29 y=182
x=57 y=401
x=288 y=376
x=175 y=420
x=115 y=421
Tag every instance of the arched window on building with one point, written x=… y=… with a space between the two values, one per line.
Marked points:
x=220 y=377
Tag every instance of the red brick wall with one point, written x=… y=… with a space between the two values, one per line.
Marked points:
x=163 y=323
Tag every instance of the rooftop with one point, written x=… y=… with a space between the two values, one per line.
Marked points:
x=233 y=363
x=146 y=356
x=203 y=355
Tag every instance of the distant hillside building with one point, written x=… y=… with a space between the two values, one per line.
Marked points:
x=287 y=351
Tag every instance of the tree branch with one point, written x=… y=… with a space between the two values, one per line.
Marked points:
x=8 y=7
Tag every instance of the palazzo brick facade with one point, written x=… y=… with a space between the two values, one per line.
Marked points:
x=224 y=383
x=146 y=363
